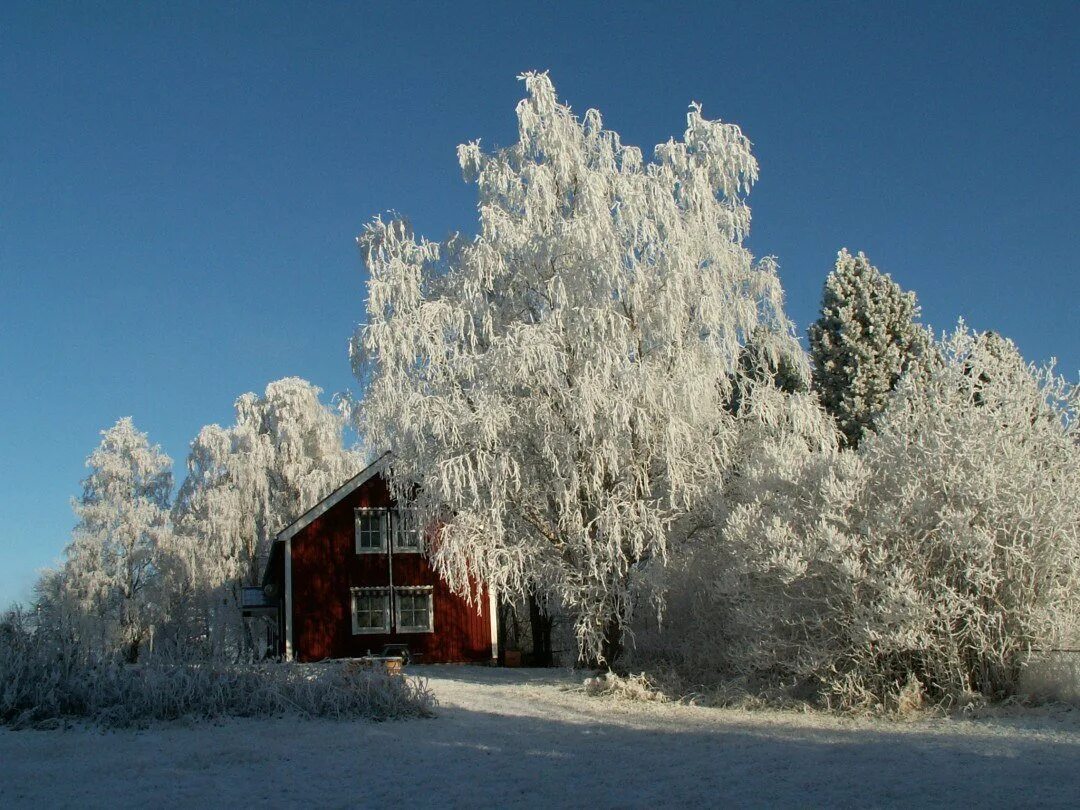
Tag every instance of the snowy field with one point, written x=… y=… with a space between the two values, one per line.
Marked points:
x=530 y=737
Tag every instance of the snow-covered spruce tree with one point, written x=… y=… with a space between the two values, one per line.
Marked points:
x=123 y=522
x=865 y=339
x=245 y=483
x=931 y=560
x=554 y=389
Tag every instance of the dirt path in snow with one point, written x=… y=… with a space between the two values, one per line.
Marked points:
x=530 y=738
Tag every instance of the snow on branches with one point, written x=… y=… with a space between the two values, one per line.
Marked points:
x=245 y=483
x=943 y=550
x=139 y=573
x=123 y=529
x=554 y=389
x=865 y=339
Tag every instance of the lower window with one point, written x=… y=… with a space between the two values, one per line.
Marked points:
x=371 y=611
x=414 y=610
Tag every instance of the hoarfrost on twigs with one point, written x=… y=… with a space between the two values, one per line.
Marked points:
x=554 y=391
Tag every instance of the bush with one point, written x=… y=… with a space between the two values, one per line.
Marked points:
x=42 y=682
x=638 y=687
x=928 y=563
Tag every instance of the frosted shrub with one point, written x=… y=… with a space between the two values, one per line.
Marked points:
x=718 y=607
x=629 y=687
x=42 y=682
x=973 y=498
x=929 y=562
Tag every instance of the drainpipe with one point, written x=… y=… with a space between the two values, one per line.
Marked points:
x=390 y=571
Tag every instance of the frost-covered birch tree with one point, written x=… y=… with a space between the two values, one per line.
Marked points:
x=865 y=339
x=554 y=389
x=244 y=484
x=214 y=519
x=123 y=523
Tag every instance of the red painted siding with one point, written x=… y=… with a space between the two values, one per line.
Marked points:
x=325 y=567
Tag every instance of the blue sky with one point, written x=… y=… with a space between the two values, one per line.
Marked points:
x=180 y=185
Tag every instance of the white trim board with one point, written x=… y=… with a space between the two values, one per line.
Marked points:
x=493 y=623
x=289 y=648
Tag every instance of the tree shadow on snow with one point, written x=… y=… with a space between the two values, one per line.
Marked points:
x=592 y=761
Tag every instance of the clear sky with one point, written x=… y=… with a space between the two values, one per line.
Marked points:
x=181 y=184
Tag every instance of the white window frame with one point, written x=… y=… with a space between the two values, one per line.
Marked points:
x=416 y=590
x=363 y=512
x=404 y=520
x=369 y=592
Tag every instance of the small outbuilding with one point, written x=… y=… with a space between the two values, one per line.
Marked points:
x=350 y=577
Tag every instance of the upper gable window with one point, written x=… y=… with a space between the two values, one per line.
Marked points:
x=406 y=531
x=371 y=531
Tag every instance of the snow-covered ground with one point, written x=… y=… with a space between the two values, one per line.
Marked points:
x=528 y=737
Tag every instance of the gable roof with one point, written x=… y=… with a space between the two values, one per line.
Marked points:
x=334 y=498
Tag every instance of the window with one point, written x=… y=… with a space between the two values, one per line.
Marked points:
x=370 y=610
x=414 y=610
x=406 y=531
x=370 y=531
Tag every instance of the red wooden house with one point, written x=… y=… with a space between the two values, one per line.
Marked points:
x=349 y=577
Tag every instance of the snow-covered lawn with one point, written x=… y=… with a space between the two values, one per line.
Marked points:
x=530 y=737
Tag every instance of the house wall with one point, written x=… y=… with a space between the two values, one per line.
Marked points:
x=325 y=567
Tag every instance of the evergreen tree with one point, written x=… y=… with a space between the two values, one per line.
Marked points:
x=865 y=339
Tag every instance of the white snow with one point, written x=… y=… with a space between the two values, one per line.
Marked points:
x=532 y=737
